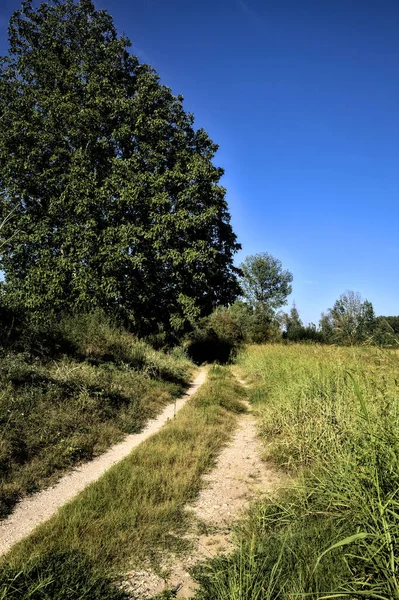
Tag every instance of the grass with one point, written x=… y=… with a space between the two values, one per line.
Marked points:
x=137 y=509
x=330 y=417
x=62 y=576
x=57 y=413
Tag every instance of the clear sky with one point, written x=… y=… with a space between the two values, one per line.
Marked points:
x=303 y=98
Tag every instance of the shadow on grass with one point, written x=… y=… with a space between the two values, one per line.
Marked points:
x=209 y=347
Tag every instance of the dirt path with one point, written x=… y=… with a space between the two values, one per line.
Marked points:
x=36 y=509
x=239 y=477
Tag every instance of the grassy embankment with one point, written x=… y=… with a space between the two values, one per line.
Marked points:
x=130 y=515
x=330 y=417
x=55 y=413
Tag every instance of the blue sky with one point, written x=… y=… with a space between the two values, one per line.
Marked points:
x=303 y=98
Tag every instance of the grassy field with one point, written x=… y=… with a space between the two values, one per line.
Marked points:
x=329 y=416
x=133 y=513
x=55 y=413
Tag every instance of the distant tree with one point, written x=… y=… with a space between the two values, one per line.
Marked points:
x=386 y=331
x=264 y=282
x=265 y=286
x=350 y=321
x=326 y=327
x=292 y=324
x=296 y=331
x=115 y=199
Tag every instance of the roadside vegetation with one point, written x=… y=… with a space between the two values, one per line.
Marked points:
x=329 y=416
x=94 y=384
x=135 y=511
x=117 y=274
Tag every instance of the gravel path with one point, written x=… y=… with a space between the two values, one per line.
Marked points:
x=239 y=477
x=36 y=509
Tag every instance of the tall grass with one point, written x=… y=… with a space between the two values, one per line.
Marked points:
x=330 y=417
x=57 y=412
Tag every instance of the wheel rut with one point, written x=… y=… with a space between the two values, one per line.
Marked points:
x=238 y=478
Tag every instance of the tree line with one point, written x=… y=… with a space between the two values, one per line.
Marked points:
x=257 y=316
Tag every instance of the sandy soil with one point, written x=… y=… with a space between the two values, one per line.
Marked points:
x=36 y=509
x=239 y=477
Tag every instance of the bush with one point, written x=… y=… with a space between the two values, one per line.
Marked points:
x=224 y=323
x=304 y=334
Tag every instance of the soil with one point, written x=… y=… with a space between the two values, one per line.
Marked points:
x=239 y=477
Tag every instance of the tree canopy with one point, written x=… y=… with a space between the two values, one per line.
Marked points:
x=113 y=196
x=264 y=282
x=292 y=322
x=350 y=321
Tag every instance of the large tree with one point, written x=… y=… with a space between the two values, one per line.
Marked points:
x=115 y=200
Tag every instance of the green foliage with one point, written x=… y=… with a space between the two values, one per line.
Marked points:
x=60 y=576
x=256 y=325
x=265 y=286
x=242 y=315
x=350 y=321
x=295 y=331
x=292 y=321
x=386 y=331
x=219 y=336
x=108 y=195
x=263 y=326
x=264 y=282
x=330 y=416
x=392 y=322
x=224 y=323
x=56 y=413
x=216 y=338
